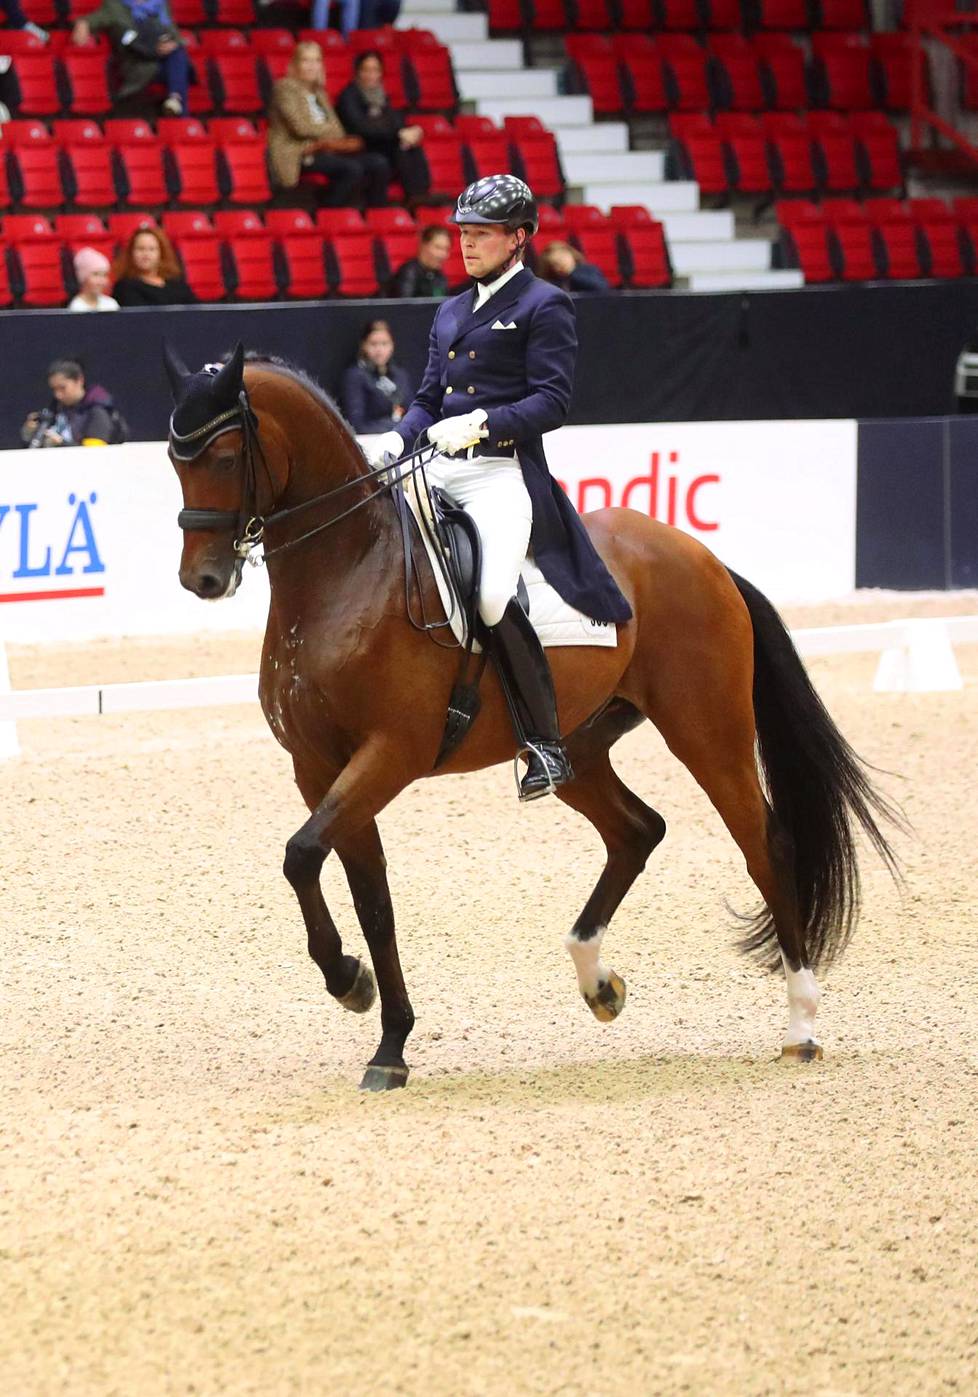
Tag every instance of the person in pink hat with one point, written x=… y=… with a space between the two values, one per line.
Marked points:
x=92 y=275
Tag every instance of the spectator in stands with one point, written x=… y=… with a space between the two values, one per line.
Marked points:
x=147 y=272
x=92 y=275
x=375 y=391
x=77 y=415
x=147 y=46
x=365 y=111
x=356 y=14
x=16 y=19
x=423 y=275
x=566 y=268
x=306 y=135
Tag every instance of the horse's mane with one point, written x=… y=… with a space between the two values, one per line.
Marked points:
x=300 y=376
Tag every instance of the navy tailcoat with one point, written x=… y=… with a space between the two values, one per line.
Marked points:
x=522 y=375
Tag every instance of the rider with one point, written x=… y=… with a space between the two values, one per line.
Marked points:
x=500 y=373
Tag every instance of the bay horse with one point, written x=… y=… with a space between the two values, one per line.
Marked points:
x=358 y=695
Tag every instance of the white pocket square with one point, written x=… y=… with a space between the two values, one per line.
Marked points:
x=498 y=325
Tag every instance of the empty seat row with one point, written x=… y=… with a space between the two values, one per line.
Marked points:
x=125 y=162
x=235 y=81
x=842 y=239
x=561 y=16
x=783 y=153
x=634 y=74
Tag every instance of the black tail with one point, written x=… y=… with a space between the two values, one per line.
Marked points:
x=818 y=790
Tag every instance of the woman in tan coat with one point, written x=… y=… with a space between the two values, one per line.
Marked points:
x=305 y=134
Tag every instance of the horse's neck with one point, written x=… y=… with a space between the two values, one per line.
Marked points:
x=354 y=553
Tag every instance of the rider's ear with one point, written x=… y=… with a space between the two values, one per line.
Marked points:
x=176 y=370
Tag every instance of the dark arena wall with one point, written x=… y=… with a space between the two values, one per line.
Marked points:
x=839 y=351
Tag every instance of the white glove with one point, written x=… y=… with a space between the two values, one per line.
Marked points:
x=390 y=444
x=455 y=434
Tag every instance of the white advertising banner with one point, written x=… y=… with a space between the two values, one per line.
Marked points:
x=89 y=544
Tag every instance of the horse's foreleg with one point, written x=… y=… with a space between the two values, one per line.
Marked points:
x=365 y=785
x=630 y=830
x=366 y=871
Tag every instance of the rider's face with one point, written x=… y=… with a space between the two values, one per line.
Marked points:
x=485 y=246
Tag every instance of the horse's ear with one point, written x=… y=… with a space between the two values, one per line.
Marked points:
x=230 y=381
x=176 y=370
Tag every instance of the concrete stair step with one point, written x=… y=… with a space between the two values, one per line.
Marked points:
x=416 y=10
x=705 y=225
x=786 y=280
x=523 y=86
x=554 y=112
x=495 y=54
x=741 y=255
x=449 y=26
x=669 y=196
x=610 y=136
x=646 y=166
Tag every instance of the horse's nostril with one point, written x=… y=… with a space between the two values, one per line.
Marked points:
x=209 y=585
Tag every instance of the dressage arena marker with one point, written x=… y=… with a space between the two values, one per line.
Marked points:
x=917 y=657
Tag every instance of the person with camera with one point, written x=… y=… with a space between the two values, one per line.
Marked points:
x=305 y=136
x=147 y=46
x=77 y=415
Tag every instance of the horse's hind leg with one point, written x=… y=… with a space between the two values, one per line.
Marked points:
x=630 y=830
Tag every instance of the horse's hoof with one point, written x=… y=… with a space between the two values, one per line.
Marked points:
x=384 y=1078
x=362 y=992
x=803 y=1052
x=609 y=1001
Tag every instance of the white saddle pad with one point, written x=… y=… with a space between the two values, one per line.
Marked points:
x=553 y=619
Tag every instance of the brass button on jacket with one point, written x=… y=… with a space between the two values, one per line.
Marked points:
x=449 y=389
x=451 y=354
x=471 y=353
x=470 y=389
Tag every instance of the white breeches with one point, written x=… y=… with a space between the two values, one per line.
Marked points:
x=491 y=489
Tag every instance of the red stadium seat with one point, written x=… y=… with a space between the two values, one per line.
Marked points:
x=942 y=242
x=593 y=14
x=858 y=252
x=79 y=228
x=245 y=173
x=6 y=292
x=333 y=222
x=738 y=73
x=723 y=14
x=489 y=157
x=637 y=15
x=284 y=221
x=681 y=15
x=685 y=64
x=123 y=225
x=548 y=16
x=539 y=164
x=446 y=173
x=600 y=247
x=356 y=271
x=842 y=14
x=931 y=210
x=179 y=130
x=41 y=273
x=597 y=75
x=629 y=216
x=36 y=176
x=272 y=41
x=902 y=256
x=195 y=169
x=36 y=90
x=782 y=14
x=91 y=179
x=25 y=133
x=810 y=244
x=237 y=12
x=251 y=254
x=239 y=223
x=835 y=150
x=749 y=157
x=189 y=14
x=879 y=147
x=213 y=41
x=893 y=58
x=475 y=128
x=233 y=130
x=16 y=41
x=644 y=84
x=886 y=211
x=5 y=199
x=646 y=255
x=505 y=16
x=792 y=170
x=551 y=222
x=432 y=81
x=143 y=174
x=578 y=216
x=393 y=220
x=77 y=131
x=702 y=159
x=236 y=75
x=782 y=71
x=397 y=248
x=27 y=228
x=88 y=82
x=305 y=267
x=842 y=71
x=201 y=258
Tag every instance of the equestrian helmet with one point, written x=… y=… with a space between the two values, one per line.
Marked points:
x=501 y=199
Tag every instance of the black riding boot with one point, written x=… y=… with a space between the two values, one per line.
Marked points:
x=525 y=675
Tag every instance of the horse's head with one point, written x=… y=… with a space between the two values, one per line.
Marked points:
x=214 y=447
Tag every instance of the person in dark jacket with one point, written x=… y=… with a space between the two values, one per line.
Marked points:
x=365 y=111
x=375 y=391
x=77 y=415
x=563 y=266
x=147 y=272
x=423 y=275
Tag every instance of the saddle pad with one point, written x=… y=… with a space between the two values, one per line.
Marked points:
x=553 y=619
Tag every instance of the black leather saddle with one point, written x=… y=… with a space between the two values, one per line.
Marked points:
x=461 y=550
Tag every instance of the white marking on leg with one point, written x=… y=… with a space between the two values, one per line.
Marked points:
x=586 y=955
x=803 y=997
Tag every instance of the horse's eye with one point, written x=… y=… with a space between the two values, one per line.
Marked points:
x=226 y=461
